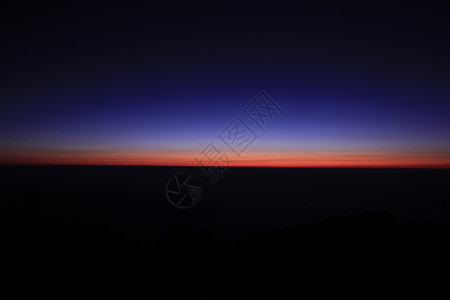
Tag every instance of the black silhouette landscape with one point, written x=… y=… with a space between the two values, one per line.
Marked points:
x=109 y=232
x=224 y=150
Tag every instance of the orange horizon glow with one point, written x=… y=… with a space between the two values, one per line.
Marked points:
x=311 y=159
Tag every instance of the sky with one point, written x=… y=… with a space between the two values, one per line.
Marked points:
x=357 y=84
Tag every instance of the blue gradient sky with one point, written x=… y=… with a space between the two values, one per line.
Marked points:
x=377 y=95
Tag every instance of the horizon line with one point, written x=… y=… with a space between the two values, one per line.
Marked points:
x=433 y=167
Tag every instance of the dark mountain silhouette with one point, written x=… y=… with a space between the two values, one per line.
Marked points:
x=368 y=254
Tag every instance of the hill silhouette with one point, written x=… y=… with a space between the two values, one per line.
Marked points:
x=362 y=255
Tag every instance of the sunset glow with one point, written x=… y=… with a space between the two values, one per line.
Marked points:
x=351 y=102
x=350 y=159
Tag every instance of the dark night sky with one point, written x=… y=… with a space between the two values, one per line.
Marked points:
x=361 y=84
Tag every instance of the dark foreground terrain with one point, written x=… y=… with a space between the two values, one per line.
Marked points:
x=109 y=232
